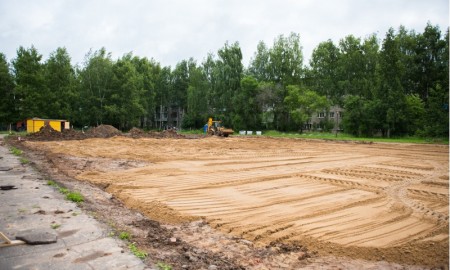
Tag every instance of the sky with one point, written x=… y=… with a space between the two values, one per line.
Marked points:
x=173 y=30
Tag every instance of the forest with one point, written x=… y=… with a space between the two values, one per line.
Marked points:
x=394 y=86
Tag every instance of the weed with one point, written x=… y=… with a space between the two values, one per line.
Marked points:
x=55 y=226
x=15 y=151
x=125 y=236
x=64 y=191
x=138 y=253
x=24 y=160
x=71 y=196
x=111 y=234
x=163 y=266
x=75 y=214
x=52 y=183
x=74 y=197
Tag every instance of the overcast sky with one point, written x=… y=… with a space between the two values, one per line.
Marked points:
x=172 y=30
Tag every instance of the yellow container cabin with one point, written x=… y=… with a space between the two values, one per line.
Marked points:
x=35 y=124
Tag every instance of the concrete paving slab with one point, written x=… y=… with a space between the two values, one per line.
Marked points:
x=82 y=242
x=37 y=236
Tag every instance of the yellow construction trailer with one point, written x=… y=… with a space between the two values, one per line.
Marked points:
x=35 y=124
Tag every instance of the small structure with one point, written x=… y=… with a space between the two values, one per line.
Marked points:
x=35 y=124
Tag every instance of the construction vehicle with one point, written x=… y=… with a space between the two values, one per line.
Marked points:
x=215 y=128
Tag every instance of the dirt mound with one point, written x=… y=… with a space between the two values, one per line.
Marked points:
x=46 y=133
x=72 y=134
x=136 y=133
x=103 y=131
x=169 y=133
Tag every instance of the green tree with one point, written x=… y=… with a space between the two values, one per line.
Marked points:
x=285 y=68
x=247 y=112
x=197 y=103
x=30 y=92
x=163 y=90
x=390 y=90
x=260 y=63
x=414 y=113
x=357 y=66
x=437 y=113
x=226 y=75
x=302 y=103
x=61 y=83
x=266 y=99
x=430 y=60
x=95 y=86
x=407 y=41
x=323 y=76
x=361 y=118
x=150 y=71
x=7 y=109
x=123 y=106
x=179 y=89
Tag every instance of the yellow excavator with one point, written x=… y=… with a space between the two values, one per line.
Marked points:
x=215 y=128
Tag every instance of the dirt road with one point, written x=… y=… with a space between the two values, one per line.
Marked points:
x=365 y=201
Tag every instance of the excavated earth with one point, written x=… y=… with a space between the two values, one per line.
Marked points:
x=267 y=203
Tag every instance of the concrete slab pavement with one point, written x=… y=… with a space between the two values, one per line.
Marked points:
x=82 y=242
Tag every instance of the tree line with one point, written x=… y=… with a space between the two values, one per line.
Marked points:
x=395 y=86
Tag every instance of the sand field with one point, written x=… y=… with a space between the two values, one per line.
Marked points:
x=377 y=201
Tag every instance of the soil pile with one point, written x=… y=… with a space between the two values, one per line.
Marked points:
x=171 y=133
x=46 y=133
x=72 y=134
x=136 y=133
x=103 y=131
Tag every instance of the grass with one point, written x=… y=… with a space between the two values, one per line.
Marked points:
x=125 y=236
x=348 y=137
x=12 y=132
x=16 y=151
x=73 y=196
x=24 y=160
x=137 y=252
x=163 y=266
x=55 y=226
x=52 y=183
x=64 y=191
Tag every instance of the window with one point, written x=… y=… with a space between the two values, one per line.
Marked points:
x=321 y=115
x=331 y=114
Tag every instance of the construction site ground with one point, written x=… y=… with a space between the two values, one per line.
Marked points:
x=259 y=202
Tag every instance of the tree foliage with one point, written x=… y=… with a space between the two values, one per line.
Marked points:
x=394 y=86
x=7 y=107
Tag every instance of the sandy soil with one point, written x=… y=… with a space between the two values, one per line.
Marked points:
x=376 y=202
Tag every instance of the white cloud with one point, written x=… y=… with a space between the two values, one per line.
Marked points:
x=170 y=31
